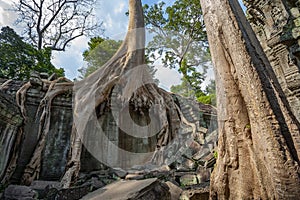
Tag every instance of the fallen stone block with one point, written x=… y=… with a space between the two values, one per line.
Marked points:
x=174 y=190
x=148 y=189
x=203 y=174
x=119 y=172
x=195 y=194
x=71 y=193
x=16 y=192
x=188 y=179
x=42 y=187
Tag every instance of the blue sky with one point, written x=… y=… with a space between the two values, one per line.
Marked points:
x=112 y=13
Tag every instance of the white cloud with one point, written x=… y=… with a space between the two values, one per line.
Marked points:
x=7 y=17
x=120 y=8
x=112 y=13
x=9 y=1
x=1 y=16
x=167 y=77
x=72 y=59
x=209 y=76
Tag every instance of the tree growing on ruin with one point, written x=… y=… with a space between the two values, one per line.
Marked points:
x=259 y=139
x=55 y=23
x=258 y=152
x=125 y=74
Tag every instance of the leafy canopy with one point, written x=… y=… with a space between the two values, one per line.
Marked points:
x=179 y=39
x=100 y=50
x=19 y=59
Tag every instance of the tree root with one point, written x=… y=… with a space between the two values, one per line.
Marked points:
x=55 y=88
x=21 y=98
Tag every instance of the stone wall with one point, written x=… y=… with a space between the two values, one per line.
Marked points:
x=19 y=136
x=57 y=142
x=277 y=26
x=10 y=123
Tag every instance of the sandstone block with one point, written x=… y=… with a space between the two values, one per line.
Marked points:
x=148 y=189
x=19 y=192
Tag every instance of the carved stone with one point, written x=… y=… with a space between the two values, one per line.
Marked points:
x=277 y=26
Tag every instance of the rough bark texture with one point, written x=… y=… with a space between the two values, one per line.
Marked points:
x=259 y=140
x=277 y=25
x=126 y=75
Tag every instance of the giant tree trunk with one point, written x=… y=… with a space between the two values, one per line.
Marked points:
x=122 y=85
x=126 y=75
x=259 y=140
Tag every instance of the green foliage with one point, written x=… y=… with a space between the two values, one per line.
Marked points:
x=184 y=89
x=99 y=52
x=19 y=59
x=206 y=97
x=216 y=154
x=179 y=39
x=209 y=97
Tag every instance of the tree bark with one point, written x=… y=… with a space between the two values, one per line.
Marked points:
x=126 y=71
x=259 y=140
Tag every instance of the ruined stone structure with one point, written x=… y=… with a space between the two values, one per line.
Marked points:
x=16 y=132
x=277 y=26
x=19 y=136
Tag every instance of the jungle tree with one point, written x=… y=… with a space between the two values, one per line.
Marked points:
x=259 y=139
x=179 y=39
x=55 y=23
x=19 y=59
x=124 y=82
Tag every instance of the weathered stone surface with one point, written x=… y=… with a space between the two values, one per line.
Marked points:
x=73 y=193
x=203 y=174
x=120 y=172
x=10 y=124
x=18 y=192
x=148 y=189
x=276 y=24
x=174 y=190
x=57 y=142
x=188 y=179
x=42 y=187
x=195 y=194
x=56 y=148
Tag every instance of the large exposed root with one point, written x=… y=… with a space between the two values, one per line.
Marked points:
x=55 y=88
x=21 y=98
x=125 y=72
x=73 y=165
x=14 y=157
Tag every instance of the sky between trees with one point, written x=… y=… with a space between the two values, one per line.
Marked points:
x=115 y=25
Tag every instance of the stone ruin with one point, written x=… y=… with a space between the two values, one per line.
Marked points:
x=19 y=137
x=277 y=25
